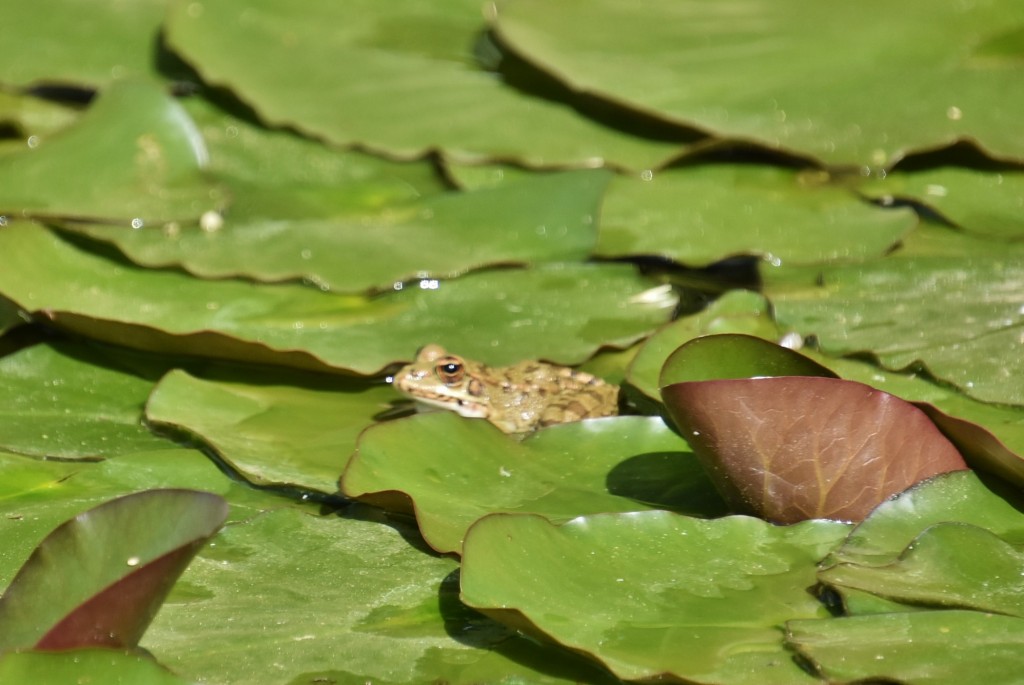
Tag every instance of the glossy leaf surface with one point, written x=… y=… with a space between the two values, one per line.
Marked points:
x=457 y=470
x=793 y=448
x=560 y=312
x=664 y=595
x=99 y=579
x=767 y=72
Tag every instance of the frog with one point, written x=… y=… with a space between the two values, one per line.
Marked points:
x=516 y=399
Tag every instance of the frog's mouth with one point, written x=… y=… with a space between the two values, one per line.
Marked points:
x=471 y=410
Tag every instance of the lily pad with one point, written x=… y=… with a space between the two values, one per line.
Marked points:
x=354 y=246
x=702 y=213
x=84 y=665
x=981 y=201
x=134 y=157
x=914 y=648
x=768 y=73
x=949 y=565
x=121 y=39
x=457 y=470
x=958 y=316
x=36 y=496
x=399 y=78
x=731 y=356
x=272 y=427
x=794 y=448
x=314 y=599
x=561 y=312
x=665 y=596
x=737 y=311
x=99 y=578
x=70 y=401
x=952 y=497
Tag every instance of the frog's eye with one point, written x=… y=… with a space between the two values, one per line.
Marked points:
x=450 y=371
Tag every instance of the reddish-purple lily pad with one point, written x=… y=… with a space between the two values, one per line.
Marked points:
x=794 y=448
x=98 y=579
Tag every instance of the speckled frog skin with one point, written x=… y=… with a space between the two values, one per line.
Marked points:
x=516 y=399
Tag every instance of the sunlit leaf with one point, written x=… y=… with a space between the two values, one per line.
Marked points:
x=561 y=312
x=767 y=70
x=84 y=666
x=457 y=470
x=135 y=157
x=947 y=565
x=793 y=448
x=703 y=213
x=71 y=401
x=398 y=77
x=98 y=579
x=663 y=595
x=919 y=648
x=350 y=246
x=84 y=43
x=272 y=427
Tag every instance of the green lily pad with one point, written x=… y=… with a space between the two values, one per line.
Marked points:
x=959 y=316
x=457 y=470
x=84 y=665
x=31 y=116
x=919 y=648
x=312 y=599
x=950 y=565
x=36 y=496
x=952 y=497
x=98 y=579
x=983 y=202
x=561 y=312
x=797 y=447
x=134 y=157
x=768 y=72
x=702 y=213
x=732 y=356
x=399 y=78
x=663 y=595
x=737 y=311
x=272 y=427
x=543 y=219
x=121 y=39
x=70 y=401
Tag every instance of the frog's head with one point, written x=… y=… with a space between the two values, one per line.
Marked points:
x=445 y=380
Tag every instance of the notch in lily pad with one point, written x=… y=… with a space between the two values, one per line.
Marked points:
x=784 y=439
x=98 y=579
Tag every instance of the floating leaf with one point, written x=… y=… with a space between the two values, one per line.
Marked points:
x=664 y=596
x=84 y=666
x=730 y=356
x=950 y=565
x=456 y=471
x=98 y=579
x=272 y=427
x=703 y=213
x=984 y=202
x=960 y=316
x=71 y=402
x=135 y=156
x=398 y=77
x=354 y=247
x=559 y=312
x=768 y=71
x=793 y=448
x=737 y=311
x=120 y=39
x=893 y=525
x=324 y=598
x=920 y=648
